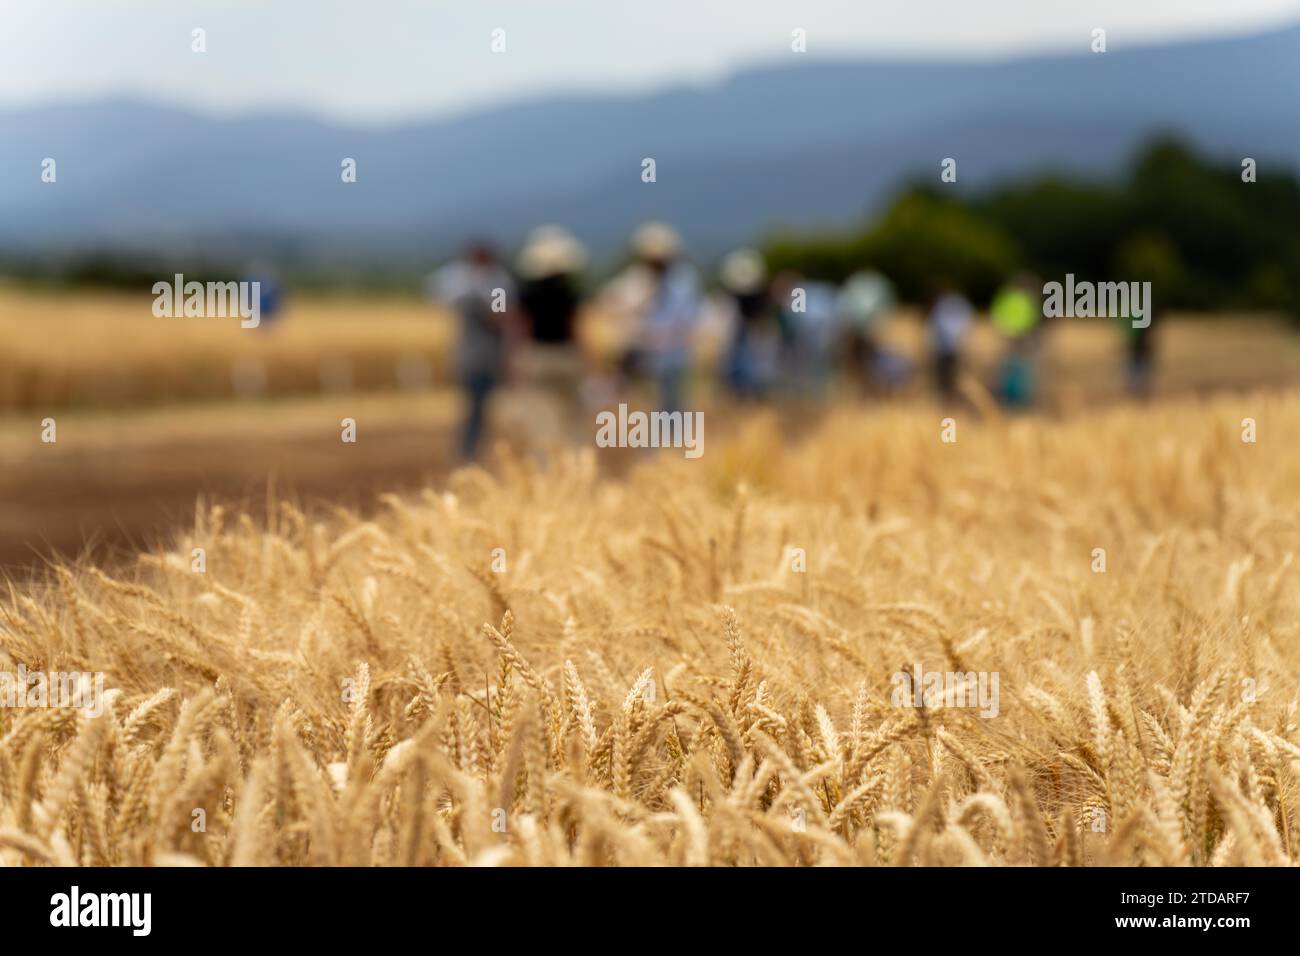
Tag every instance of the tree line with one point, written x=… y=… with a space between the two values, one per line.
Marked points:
x=1205 y=236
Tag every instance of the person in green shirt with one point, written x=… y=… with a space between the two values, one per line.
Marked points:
x=1017 y=313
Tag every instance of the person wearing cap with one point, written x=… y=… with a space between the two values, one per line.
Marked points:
x=1017 y=312
x=668 y=307
x=480 y=293
x=743 y=275
x=548 y=266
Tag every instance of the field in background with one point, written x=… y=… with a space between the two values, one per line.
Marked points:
x=107 y=350
x=152 y=413
x=548 y=666
x=99 y=350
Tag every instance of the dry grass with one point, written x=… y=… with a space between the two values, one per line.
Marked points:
x=650 y=680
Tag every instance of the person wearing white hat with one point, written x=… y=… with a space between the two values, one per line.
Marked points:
x=863 y=302
x=743 y=275
x=551 y=251
x=656 y=242
x=660 y=295
x=548 y=266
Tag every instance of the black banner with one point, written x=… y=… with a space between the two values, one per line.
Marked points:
x=334 y=906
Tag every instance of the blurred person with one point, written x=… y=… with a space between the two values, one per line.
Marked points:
x=783 y=288
x=743 y=275
x=660 y=295
x=1139 y=354
x=949 y=319
x=270 y=291
x=1017 y=312
x=809 y=323
x=480 y=292
x=548 y=266
x=861 y=307
x=249 y=374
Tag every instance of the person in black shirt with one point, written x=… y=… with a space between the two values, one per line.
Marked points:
x=744 y=277
x=548 y=266
x=551 y=303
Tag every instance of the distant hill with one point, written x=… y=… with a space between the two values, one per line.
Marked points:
x=802 y=142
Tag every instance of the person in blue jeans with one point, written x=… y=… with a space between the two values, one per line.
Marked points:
x=672 y=311
x=481 y=294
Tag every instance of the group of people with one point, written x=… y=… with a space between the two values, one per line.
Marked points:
x=531 y=328
x=782 y=335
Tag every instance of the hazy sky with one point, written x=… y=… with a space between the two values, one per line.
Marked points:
x=381 y=60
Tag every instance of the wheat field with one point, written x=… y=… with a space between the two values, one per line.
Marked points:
x=695 y=664
x=58 y=343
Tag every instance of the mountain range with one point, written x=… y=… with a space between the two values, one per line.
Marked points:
x=797 y=143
